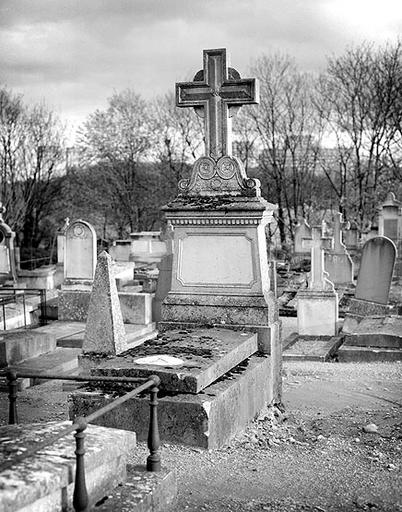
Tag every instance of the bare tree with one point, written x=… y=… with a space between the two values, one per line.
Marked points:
x=359 y=97
x=118 y=140
x=288 y=135
x=31 y=153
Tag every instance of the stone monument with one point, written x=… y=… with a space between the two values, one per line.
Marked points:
x=338 y=262
x=302 y=232
x=317 y=306
x=370 y=322
x=218 y=352
x=79 y=271
x=8 y=272
x=390 y=225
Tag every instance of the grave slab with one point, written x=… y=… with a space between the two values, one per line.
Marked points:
x=204 y=354
x=353 y=354
x=60 y=361
x=312 y=348
x=44 y=481
x=208 y=420
x=21 y=345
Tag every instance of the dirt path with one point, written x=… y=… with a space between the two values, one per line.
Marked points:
x=315 y=457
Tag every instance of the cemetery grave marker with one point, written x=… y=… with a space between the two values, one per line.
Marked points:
x=317 y=306
x=338 y=262
x=220 y=309
x=375 y=273
x=8 y=270
x=80 y=252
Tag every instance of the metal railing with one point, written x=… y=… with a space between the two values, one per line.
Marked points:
x=80 y=495
x=10 y=295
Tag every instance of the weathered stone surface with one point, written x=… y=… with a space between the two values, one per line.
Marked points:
x=136 y=308
x=209 y=419
x=220 y=309
x=21 y=345
x=8 y=271
x=376 y=268
x=207 y=354
x=302 y=232
x=80 y=251
x=73 y=305
x=143 y=491
x=362 y=308
x=353 y=354
x=310 y=348
x=104 y=333
x=340 y=268
x=42 y=277
x=163 y=286
x=317 y=313
x=385 y=331
x=44 y=481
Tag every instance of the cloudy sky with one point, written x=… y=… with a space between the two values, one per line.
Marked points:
x=75 y=53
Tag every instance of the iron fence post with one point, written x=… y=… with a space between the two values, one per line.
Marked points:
x=80 y=496
x=12 y=397
x=154 y=458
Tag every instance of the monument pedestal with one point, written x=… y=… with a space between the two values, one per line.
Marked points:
x=317 y=312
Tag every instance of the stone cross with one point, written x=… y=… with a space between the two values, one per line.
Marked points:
x=214 y=90
x=318 y=280
x=339 y=246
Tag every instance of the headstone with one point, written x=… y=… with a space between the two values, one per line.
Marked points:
x=375 y=273
x=318 y=278
x=338 y=262
x=80 y=252
x=317 y=306
x=79 y=270
x=61 y=239
x=105 y=332
x=8 y=272
x=351 y=237
x=390 y=225
x=302 y=232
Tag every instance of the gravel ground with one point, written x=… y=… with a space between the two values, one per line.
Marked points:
x=316 y=456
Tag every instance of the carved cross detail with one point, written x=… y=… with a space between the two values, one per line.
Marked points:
x=214 y=90
x=339 y=225
x=317 y=243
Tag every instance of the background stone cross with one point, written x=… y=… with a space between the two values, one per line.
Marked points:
x=215 y=89
x=339 y=246
x=318 y=277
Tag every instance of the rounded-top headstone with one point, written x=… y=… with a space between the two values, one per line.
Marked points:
x=376 y=268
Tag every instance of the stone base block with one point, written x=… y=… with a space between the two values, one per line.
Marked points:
x=317 y=313
x=143 y=491
x=136 y=308
x=21 y=345
x=225 y=310
x=209 y=419
x=73 y=305
x=352 y=354
x=45 y=481
x=363 y=308
x=42 y=277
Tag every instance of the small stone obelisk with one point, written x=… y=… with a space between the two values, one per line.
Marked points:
x=105 y=332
